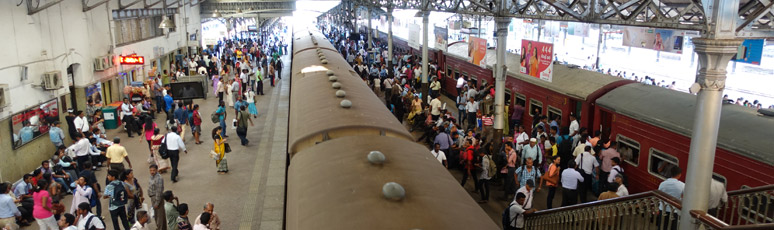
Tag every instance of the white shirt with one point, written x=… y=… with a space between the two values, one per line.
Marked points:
x=435 y=105
x=174 y=142
x=126 y=109
x=570 y=178
x=460 y=82
x=613 y=173
x=530 y=194
x=484 y=174
x=622 y=191
x=574 y=127
x=96 y=222
x=70 y=228
x=516 y=212
x=138 y=226
x=81 y=123
x=440 y=156
x=588 y=162
x=717 y=194
x=471 y=107
x=521 y=138
x=81 y=148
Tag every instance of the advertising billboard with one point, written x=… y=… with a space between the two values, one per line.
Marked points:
x=654 y=39
x=441 y=36
x=537 y=59
x=477 y=49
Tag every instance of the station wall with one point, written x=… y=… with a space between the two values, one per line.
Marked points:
x=59 y=37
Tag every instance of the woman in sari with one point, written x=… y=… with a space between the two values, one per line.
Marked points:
x=533 y=64
x=156 y=143
x=220 y=150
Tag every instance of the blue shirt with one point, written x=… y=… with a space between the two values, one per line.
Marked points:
x=56 y=135
x=221 y=111
x=444 y=140
x=26 y=133
x=673 y=187
x=181 y=115
x=21 y=189
x=7 y=207
x=239 y=104
x=109 y=192
x=168 y=101
x=525 y=174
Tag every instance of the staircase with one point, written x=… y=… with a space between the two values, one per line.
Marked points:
x=751 y=208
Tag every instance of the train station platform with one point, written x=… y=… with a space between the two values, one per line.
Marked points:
x=252 y=194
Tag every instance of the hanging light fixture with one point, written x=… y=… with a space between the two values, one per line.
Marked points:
x=217 y=14
x=166 y=23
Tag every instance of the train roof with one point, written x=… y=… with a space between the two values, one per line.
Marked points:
x=332 y=185
x=573 y=82
x=742 y=130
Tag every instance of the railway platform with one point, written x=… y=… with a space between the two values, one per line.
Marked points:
x=252 y=194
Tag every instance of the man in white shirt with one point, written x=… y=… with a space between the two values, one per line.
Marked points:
x=622 y=190
x=472 y=108
x=174 y=145
x=80 y=148
x=529 y=191
x=615 y=170
x=128 y=118
x=517 y=211
x=586 y=165
x=88 y=220
x=570 y=180
x=81 y=123
x=718 y=196
x=460 y=83
x=574 y=126
x=439 y=155
x=202 y=70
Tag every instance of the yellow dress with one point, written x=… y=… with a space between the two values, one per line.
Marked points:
x=220 y=158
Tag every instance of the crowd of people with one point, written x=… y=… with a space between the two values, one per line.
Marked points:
x=575 y=160
x=237 y=68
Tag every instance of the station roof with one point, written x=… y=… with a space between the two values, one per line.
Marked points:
x=573 y=82
x=742 y=130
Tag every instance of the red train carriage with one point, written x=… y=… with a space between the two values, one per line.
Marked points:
x=571 y=90
x=653 y=126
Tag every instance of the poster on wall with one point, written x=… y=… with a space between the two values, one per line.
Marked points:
x=578 y=29
x=750 y=51
x=441 y=36
x=94 y=93
x=537 y=59
x=413 y=38
x=477 y=49
x=654 y=39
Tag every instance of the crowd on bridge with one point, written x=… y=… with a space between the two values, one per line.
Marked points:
x=237 y=68
x=579 y=162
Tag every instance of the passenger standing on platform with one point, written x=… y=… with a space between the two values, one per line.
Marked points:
x=157 y=94
x=435 y=87
x=181 y=116
x=170 y=209
x=116 y=154
x=214 y=220
x=155 y=192
x=529 y=190
x=142 y=219
x=221 y=88
x=531 y=151
x=238 y=104
x=234 y=92
x=278 y=67
x=587 y=164
x=527 y=172
x=606 y=156
x=168 y=103
x=439 y=154
x=517 y=211
x=134 y=203
x=182 y=220
x=82 y=124
x=486 y=173
x=118 y=194
x=174 y=145
x=196 y=123
x=472 y=108
x=70 y=119
x=271 y=73
x=259 y=81
x=220 y=150
x=551 y=179
x=571 y=178
x=487 y=121
x=87 y=220
x=242 y=119
x=621 y=188
x=674 y=187
x=510 y=180
x=147 y=129
x=467 y=162
x=718 y=197
x=444 y=140
x=221 y=112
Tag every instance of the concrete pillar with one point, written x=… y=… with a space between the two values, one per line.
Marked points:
x=714 y=55
x=500 y=72
x=425 y=22
x=389 y=40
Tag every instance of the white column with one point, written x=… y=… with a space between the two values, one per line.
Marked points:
x=500 y=72
x=389 y=39
x=425 y=23
x=370 y=45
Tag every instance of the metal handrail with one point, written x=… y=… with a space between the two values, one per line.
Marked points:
x=711 y=223
x=751 y=190
x=748 y=206
x=656 y=193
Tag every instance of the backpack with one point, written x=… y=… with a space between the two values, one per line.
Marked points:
x=88 y=223
x=506 y=219
x=623 y=177
x=119 y=196
x=163 y=153
x=215 y=118
x=564 y=150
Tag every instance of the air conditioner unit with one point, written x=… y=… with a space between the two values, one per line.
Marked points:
x=5 y=96
x=52 y=80
x=108 y=62
x=98 y=66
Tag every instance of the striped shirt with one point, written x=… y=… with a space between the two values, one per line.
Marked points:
x=488 y=121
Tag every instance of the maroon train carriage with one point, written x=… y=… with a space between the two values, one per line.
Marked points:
x=653 y=125
x=572 y=90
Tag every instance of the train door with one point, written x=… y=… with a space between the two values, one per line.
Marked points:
x=606 y=122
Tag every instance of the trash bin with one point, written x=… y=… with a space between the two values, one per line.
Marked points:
x=110 y=114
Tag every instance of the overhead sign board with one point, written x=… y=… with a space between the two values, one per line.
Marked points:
x=131 y=60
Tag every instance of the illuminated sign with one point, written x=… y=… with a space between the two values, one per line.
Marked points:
x=131 y=60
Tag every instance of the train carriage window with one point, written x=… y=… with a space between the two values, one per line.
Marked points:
x=554 y=112
x=508 y=98
x=629 y=149
x=521 y=99
x=535 y=107
x=456 y=74
x=449 y=73
x=660 y=163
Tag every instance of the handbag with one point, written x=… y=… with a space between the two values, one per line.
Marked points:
x=163 y=148
x=227 y=147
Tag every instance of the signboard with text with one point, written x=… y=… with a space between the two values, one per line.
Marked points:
x=537 y=59
x=750 y=51
x=413 y=39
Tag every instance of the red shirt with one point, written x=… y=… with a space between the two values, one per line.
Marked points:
x=197 y=119
x=488 y=121
x=468 y=157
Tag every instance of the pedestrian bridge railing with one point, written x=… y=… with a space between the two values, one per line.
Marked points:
x=647 y=210
x=748 y=206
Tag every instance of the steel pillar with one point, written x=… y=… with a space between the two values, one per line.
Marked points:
x=425 y=22
x=715 y=49
x=389 y=41
x=599 y=45
x=500 y=72
x=354 y=21
x=370 y=43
